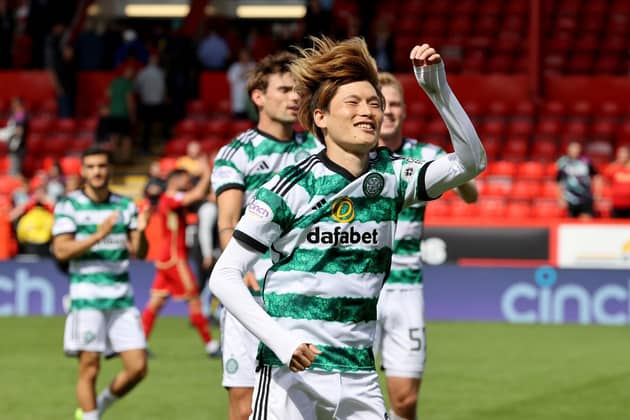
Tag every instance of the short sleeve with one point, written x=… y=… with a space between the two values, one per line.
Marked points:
x=228 y=172
x=64 y=218
x=266 y=218
x=172 y=201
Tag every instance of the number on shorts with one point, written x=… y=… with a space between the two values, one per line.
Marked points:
x=416 y=336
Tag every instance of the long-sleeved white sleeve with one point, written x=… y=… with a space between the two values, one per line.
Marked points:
x=207 y=219
x=469 y=159
x=226 y=282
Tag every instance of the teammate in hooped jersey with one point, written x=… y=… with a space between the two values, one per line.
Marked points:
x=96 y=231
x=400 y=336
x=240 y=168
x=319 y=318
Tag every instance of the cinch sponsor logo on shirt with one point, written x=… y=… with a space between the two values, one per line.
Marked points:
x=260 y=210
x=342 y=237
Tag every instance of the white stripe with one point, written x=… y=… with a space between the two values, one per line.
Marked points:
x=408 y=229
x=98 y=266
x=63 y=225
x=331 y=333
x=99 y=291
x=96 y=217
x=112 y=242
x=384 y=235
x=363 y=285
x=406 y=262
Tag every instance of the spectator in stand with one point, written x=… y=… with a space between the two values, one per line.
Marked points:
x=317 y=20
x=122 y=114
x=55 y=188
x=382 y=46
x=150 y=85
x=213 y=51
x=60 y=61
x=14 y=134
x=34 y=220
x=131 y=48
x=575 y=177
x=6 y=34
x=192 y=161
x=156 y=184
x=90 y=46
x=237 y=75
x=617 y=174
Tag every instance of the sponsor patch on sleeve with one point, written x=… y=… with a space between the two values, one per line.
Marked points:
x=260 y=210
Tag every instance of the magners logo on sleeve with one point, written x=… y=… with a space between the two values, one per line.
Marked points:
x=342 y=210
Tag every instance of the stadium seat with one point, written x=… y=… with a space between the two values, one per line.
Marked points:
x=40 y=125
x=501 y=169
x=524 y=190
x=548 y=127
x=492 y=208
x=518 y=210
x=520 y=128
x=216 y=127
x=196 y=109
x=544 y=150
x=438 y=208
x=494 y=128
x=603 y=130
x=494 y=188
x=167 y=164
x=461 y=209
x=530 y=170
x=4 y=164
x=177 y=146
x=65 y=127
x=492 y=145
x=70 y=165
x=547 y=210
x=413 y=128
x=515 y=149
x=187 y=128
x=554 y=109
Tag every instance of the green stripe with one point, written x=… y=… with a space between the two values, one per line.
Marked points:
x=103 y=304
x=345 y=359
x=337 y=309
x=91 y=229
x=282 y=214
x=106 y=254
x=338 y=260
x=223 y=162
x=413 y=214
x=255 y=181
x=407 y=246
x=99 y=278
x=122 y=205
x=405 y=277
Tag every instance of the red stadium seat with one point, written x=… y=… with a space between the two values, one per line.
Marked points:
x=167 y=164
x=520 y=128
x=581 y=110
x=603 y=130
x=544 y=150
x=530 y=170
x=501 y=169
x=216 y=127
x=554 y=109
x=70 y=165
x=493 y=128
x=492 y=208
x=177 y=146
x=40 y=125
x=438 y=208
x=239 y=126
x=463 y=210
x=65 y=127
x=546 y=210
x=548 y=127
x=492 y=145
x=515 y=149
x=524 y=190
x=196 y=109
x=518 y=210
x=413 y=128
x=549 y=189
x=187 y=128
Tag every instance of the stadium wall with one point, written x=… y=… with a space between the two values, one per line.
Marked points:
x=453 y=293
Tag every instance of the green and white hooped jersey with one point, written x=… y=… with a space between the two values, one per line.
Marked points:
x=252 y=159
x=331 y=237
x=406 y=268
x=99 y=279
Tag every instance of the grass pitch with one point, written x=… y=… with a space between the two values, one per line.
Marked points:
x=474 y=371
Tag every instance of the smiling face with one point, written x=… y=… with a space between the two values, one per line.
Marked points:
x=394 y=113
x=279 y=102
x=353 y=118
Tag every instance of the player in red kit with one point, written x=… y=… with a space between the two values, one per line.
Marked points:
x=173 y=274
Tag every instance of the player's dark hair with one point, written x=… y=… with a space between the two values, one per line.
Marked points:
x=271 y=64
x=175 y=173
x=321 y=70
x=93 y=151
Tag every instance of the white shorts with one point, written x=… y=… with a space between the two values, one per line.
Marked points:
x=400 y=332
x=311 y=395
x=239 y=348
x=103 y=331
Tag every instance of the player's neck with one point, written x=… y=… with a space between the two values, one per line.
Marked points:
x=355 y=163
x=281 y=132
x=97 y=195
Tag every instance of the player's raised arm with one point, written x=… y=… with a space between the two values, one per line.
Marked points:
x=469 y=158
